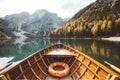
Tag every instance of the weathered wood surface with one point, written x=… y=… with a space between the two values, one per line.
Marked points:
x=54 y=78
x=34 y=67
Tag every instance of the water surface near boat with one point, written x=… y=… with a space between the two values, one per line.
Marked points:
x=97 y=49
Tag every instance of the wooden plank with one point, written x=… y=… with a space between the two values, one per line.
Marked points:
x=96 y=78
x=82 y=74
x=42 y=76
x=22 y=72
x=8 y=76
x=93 y=67
x=75 y=76
x=33 y=70
x=3 y=77
x=81 y=58
x=37 y=56
x=108 y=77
x=65 y=59
x=69 y=60
x=88 y=74
x=56 y=78
x=72 y=60
x=24 y=65
x=15 y=73
x=44 y=63
x=35 y=73
x=40 y=67
x=84 y=78
x=76 y=69
x=95 y=73
x=48 y=61
x=97 y=63
x=92 y=77
x=32 y=60
x=102 y=74
x=26 y=73
x=73 y=63
x=86 y=61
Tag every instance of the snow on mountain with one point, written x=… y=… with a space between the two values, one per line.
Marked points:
x=15 y=20
x=39 y=23
x=42 y=22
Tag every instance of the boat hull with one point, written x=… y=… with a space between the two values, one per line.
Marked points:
x=35 y=66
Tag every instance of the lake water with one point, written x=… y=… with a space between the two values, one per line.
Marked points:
x=97 y=49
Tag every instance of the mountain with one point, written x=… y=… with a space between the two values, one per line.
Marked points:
x=4 y=30
x=40 y=23
x=15 y=20
x=99 y=19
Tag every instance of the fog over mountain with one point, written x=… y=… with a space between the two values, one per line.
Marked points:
x=40 y=23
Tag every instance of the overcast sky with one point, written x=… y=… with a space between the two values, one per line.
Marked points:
x=64 y=8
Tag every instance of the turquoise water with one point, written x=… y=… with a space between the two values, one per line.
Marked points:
x=97 y=49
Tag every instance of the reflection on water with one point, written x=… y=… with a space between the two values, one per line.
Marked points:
x=4 y=60
x=20 y=51
x=99 y=50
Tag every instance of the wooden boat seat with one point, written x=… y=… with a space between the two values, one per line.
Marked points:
x=60 y=53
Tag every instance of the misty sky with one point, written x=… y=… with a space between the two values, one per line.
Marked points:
x=64 y=8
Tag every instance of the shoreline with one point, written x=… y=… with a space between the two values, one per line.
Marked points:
x=112 y=39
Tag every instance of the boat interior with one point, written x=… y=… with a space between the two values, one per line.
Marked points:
x=35 y=67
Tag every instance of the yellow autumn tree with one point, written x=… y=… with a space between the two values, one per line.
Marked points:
x=94 y=29
x=103 y=25
x=109 y=25
x=117 y=21
x=68 y=29
x=80 y=28
x=75 y=31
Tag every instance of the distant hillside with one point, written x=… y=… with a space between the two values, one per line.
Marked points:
x=40 y=23
x=99 y=19
x=4 y=30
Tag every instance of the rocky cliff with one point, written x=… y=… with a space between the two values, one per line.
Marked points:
x=39 y=23
x=4 y=31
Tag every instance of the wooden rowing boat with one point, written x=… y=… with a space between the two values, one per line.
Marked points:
x=35 y=67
